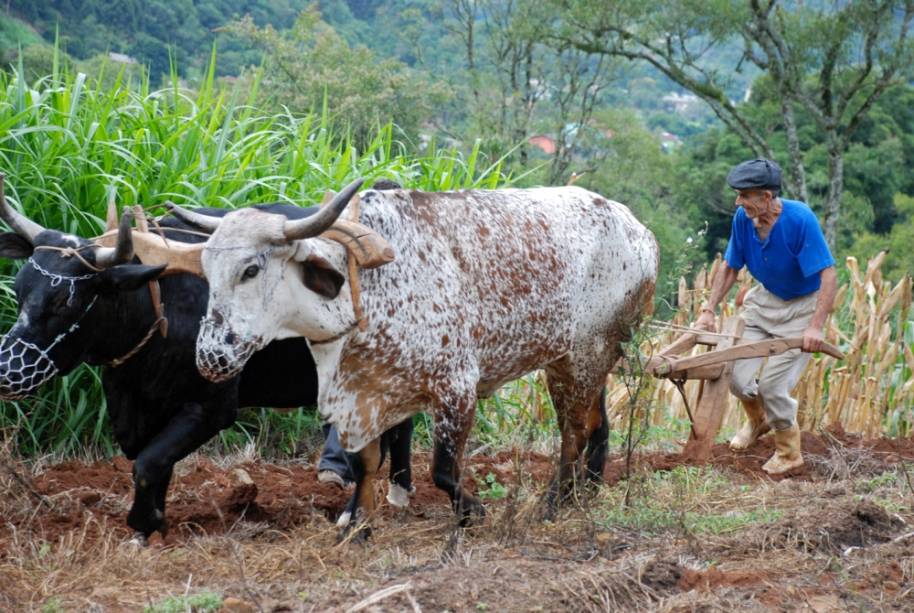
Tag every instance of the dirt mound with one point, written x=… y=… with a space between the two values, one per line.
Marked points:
x=835 y=530
x=662 y=575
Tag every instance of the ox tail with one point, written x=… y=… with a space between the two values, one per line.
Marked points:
x=598 y=444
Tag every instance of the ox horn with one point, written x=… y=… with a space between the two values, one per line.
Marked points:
x=111 y=217
x=24 y=226
x=204 y=222
x=106 y=257
x=323 y=219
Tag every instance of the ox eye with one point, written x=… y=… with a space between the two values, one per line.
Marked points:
x=250 y=272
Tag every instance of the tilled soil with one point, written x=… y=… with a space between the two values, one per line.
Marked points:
x=205 y=499
x=507 y=565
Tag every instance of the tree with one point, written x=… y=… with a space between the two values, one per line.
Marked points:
x=830 y=60
x=311 y=64
x=900 y=258
x=535 y=84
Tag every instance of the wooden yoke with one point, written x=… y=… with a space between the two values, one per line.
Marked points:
x=368 y=249
x=156 y=250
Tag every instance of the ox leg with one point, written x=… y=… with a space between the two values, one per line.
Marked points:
x=365 y=465
x=452 y=428
x=578 y=409
x=153 y=467
x=401 y=478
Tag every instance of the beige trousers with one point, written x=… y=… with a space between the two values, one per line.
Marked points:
x=772 y=379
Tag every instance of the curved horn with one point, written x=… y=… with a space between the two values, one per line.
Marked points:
x=111 y=218
x=106 y=257
x=26 y=228
x=323 y=219
x=204 y=222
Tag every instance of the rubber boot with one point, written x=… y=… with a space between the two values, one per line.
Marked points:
x=787 y=454
x=755 y=426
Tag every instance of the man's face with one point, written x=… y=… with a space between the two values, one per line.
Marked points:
x=755 y=202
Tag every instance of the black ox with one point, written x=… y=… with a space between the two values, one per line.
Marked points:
x=94 y=306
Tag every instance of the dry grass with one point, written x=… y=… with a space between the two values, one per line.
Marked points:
x=742 y=545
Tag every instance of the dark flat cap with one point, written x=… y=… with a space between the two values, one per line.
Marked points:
x=755 y=174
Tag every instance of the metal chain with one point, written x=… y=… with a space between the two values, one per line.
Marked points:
x=57 y=279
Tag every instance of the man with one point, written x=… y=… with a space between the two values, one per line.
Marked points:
x=333 y=466
x=781 y=243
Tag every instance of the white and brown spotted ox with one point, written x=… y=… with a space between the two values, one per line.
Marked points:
x=485 y=287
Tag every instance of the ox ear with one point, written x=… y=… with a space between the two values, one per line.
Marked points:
x=321 y=277
x=14 y=247
x=129 y=276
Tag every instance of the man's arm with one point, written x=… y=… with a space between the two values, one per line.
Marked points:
x=724 y=280
x=813 y=337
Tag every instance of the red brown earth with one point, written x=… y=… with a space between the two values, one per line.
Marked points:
x=259 y=535
x=207 y=499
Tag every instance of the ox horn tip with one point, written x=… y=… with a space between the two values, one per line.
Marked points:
x=111 y=215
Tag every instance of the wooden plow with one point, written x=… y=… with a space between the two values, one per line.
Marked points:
x=713 y=370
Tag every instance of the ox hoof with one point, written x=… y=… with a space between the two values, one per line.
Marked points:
x=147 y=526
x=551 y=502
x=470 y=510
x=138 y=540
x=549 y=510
x=356 y=532
x=343 y=520
x=398 y=496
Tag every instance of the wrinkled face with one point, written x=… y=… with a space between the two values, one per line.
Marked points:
x=57 y=298
x=756 y=202
x=262 y=288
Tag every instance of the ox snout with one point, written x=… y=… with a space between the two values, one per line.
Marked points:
x=24 y=367
x=222 y=353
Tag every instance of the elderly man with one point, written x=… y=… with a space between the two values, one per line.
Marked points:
x=780 y=241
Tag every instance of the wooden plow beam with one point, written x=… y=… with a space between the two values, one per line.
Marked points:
x=713 y=370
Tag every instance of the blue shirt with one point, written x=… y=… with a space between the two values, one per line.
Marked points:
x=787 y=263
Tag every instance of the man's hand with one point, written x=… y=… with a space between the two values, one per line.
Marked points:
x=706 y=321
x=813 y=337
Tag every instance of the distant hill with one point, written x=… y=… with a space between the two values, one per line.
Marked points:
x=152 y=32
x=147 y=30
x=15 y=32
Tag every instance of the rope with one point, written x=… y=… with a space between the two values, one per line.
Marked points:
x=667 y=325
x=70 y=252
x=152 y=330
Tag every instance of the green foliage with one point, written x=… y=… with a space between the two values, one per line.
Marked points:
x=636 y=171
x=898 y=241
x=37 y=61
x=149 y=30
x=519 y=413
x=490 y=488
x=66 y=142
x=52 y=605
x=311 y=67
x=14 y=33
x=665 y=502
x=195 y=603
x=876 y=171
